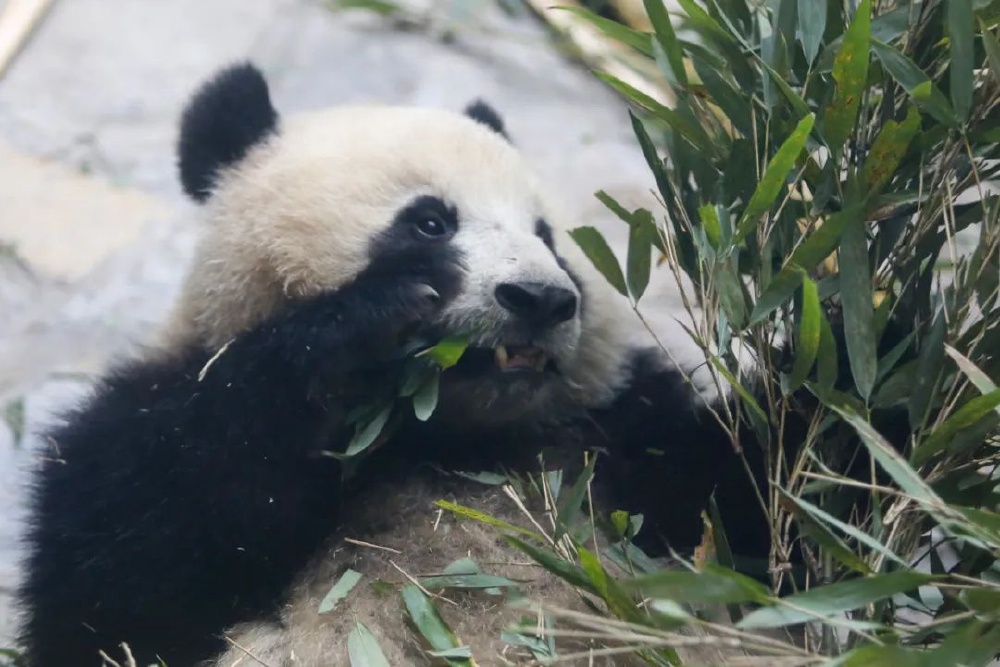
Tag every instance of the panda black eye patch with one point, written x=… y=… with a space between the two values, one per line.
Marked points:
x=544 y=232
x=428 y=219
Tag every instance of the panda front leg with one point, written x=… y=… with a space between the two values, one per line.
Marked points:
x=187 y=492
x=669 y=455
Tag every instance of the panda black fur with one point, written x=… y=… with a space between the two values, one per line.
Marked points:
x=188 y=500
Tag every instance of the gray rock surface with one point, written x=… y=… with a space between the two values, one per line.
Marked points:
x=87 y=125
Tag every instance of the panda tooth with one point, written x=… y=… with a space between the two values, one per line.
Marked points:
x=500 y=355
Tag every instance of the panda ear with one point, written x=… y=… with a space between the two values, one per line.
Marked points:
x=227 y=116
x=481 y=112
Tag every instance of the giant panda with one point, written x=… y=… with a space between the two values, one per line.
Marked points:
x=190 y=507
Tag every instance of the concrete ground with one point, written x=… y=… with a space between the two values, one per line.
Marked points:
x=94 y=231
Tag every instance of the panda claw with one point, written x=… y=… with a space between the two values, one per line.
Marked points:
x=429 y=292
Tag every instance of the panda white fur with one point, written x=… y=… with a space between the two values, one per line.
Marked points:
x=187 y=507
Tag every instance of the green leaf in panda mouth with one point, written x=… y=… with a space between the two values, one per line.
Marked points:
x=447 y=352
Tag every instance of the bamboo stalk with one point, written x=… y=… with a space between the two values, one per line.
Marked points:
x=17 y=21
x=633 y=13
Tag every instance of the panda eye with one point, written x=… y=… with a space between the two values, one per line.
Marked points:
x=431 y=227
x=427 y=219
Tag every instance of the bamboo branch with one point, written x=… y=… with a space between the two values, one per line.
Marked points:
x=602 y=53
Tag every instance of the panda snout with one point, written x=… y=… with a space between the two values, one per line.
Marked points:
x=537 y=304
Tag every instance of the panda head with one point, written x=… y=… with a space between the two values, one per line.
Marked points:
x=303 y=205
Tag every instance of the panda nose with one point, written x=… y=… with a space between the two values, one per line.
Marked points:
x=537 y=303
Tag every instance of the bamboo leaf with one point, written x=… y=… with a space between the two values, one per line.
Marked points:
x=807 y=341
x=724 y=553
x=850 y=71
x=983 y=600
x=563 y=569
x=569 y=503
x=484 y=477
x=601 y=256
x=982 y=381
x=929 y=363
x=778 y=291
x=859 y=314
x=691 y=132
x=812 y=24
x=712 y=585
x=831 y=599
x=825 y=537
x=827 y=367
x=710 y=223
x=730 y=290
x=640 y=41
x=381 y=7
x=482 y=517
x=853 y=532
x=888 y=361
x=652 y=159
x=703 y=21
x=638 y=263
x=824 y=240
x=775 y=177
x=888 y=150
x=448 y=654
x=798 y=104
x=426 y=398
x=963 y=418
x=877 y=656
x=981 y=522
x=973 y=643
x=888 y=26
x=667 y=38
x=992 y=48
x=747 y=397
x=723 y=93
x=447 y=351
x=609 y=590
x=806 y=257
x=775 y=47
x=363 y=649
x=961 y=32
x=640 y=214
x=915 y=82
x=347 y=581
x=901 y=472
x=541 y=645
x=428 y=621
x=475 y=581
x=414 y=376
x=612 y=204
x=631 y=559
x=366 y=434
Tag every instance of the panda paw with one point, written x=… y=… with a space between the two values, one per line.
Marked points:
x=418 y=297
x=369 y=319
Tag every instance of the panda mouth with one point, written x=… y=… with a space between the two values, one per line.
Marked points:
x=507 y=359
x=513 y=358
